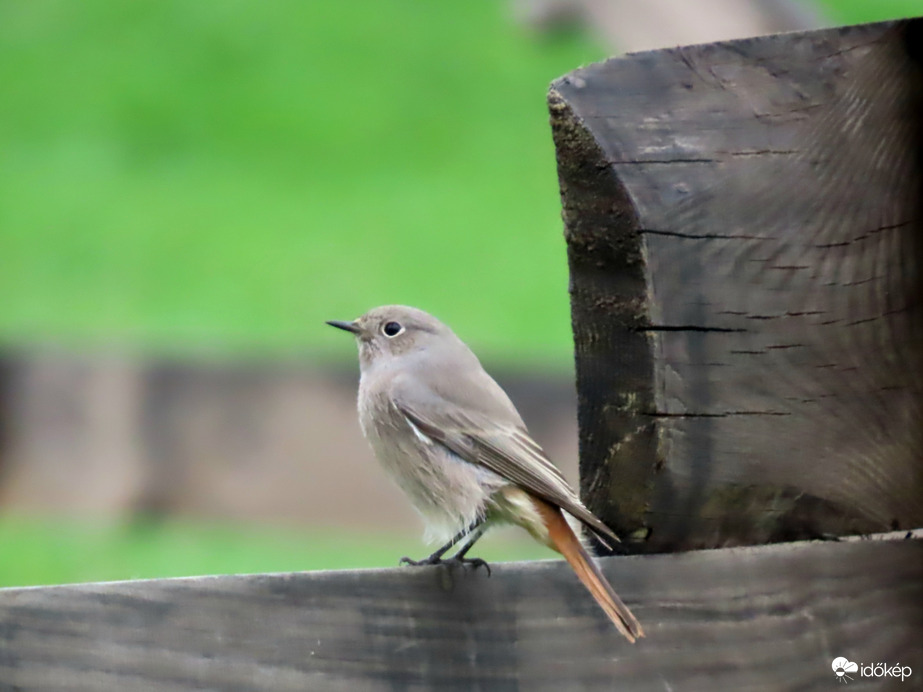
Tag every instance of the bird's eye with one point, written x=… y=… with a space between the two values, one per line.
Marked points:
x=392 y=329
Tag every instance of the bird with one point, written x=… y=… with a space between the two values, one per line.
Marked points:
x=453 y=441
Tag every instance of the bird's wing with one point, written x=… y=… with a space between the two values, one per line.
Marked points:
x=505 y=449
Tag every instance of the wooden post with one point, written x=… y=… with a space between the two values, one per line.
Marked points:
x=745 y=240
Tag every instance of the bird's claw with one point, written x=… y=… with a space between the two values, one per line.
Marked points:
x=473 y=562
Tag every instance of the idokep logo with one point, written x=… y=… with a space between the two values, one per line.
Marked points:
x=842 y=667
x=846 y=671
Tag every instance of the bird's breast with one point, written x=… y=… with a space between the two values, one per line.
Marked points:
x=448 y=491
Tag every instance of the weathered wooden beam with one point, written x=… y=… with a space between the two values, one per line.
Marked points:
x=745 y=242
x=772 y=617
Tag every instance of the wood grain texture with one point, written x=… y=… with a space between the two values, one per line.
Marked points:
x=746 y=243
x=771 y=617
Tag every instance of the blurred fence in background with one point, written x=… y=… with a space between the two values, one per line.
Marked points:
x=106 y=436
x=627 y=25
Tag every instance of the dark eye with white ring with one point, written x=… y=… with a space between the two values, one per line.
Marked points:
x=392 y=329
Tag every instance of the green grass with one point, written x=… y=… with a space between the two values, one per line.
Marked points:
x=48 y=551
x=182 y=176
x=858 y=11
x=221 y=177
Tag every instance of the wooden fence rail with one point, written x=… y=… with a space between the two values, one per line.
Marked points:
x=771 y=617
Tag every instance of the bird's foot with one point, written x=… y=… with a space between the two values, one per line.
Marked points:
x=473 y=562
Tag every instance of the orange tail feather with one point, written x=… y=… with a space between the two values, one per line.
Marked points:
x=563 y=539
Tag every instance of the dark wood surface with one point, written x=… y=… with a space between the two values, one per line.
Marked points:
x=764 y=618
x=744 y=234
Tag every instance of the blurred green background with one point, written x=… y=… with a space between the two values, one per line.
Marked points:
x=180 y=176
x=217 y=178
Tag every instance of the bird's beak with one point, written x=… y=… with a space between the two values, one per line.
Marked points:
x=345 y=326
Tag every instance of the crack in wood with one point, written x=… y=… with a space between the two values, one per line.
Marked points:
x=780 y=316
x=765 y=152
x=703 y=236
x=870 y=234
x=643 y=162
x=720 y=414
x=684 y=328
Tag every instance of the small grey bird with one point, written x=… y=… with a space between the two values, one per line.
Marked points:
x=454 y=442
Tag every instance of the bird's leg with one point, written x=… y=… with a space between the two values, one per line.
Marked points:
x=475 y=562
x=436 y=557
